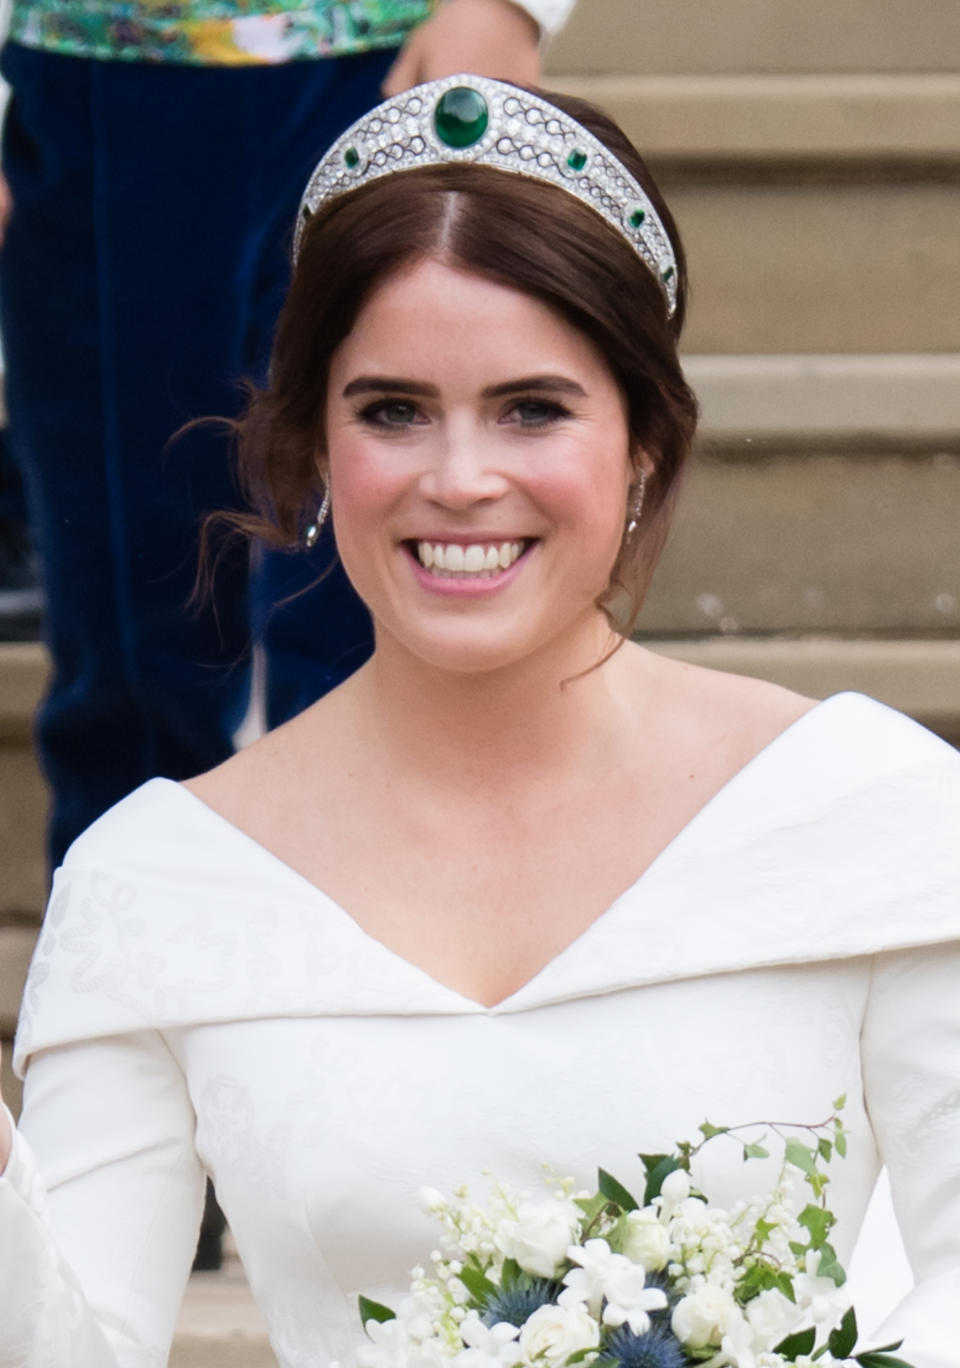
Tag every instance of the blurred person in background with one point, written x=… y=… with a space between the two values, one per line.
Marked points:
x=155 y=155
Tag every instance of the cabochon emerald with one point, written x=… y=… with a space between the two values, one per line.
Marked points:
x=352 y=157
x=636 y=218
x=577 y=160
x=461 y=117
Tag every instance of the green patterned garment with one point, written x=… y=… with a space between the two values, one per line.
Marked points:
x=214 y=32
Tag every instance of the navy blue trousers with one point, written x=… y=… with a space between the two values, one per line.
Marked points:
x=143 y=271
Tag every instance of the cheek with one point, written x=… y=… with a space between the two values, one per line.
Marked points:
x=587 y=496
x=363 y=483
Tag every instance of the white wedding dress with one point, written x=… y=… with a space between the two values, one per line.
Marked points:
x=196 y=1006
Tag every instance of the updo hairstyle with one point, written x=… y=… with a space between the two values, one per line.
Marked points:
x=513 y=231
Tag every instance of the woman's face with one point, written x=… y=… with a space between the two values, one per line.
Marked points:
x=479 y=463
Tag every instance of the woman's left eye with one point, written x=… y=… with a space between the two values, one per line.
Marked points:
x=536 y=413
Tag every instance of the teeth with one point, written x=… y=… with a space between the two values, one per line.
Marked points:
x=451 y=558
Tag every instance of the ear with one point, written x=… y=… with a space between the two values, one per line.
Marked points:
x=641 y=461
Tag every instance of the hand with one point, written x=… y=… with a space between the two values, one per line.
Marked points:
x=484 y=37
x=6 y=205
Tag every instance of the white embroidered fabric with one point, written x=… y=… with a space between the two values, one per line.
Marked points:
x=194 y=1005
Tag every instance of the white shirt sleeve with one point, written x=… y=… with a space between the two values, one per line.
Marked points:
x=95 y=1256
x=551 y=15
x=911 y=1070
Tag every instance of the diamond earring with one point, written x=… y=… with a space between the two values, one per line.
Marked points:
x=312 y=535
x=636 y=508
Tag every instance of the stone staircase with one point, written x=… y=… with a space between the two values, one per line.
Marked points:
x=811 y=154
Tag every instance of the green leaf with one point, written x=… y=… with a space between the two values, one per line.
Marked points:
x=801 y=1156
x=708 y=1131
x=818 y=1221
x=511 y=1274
x=760 y=1277
x=825 y=1148
x=840 y=1140
x=764 y=1229
x=829 y=1266
x=843 y=1339
x=591 y=1206
x=657 y=1166
x=800 y=1343
x=581 y=1354
x=617 y=1234
x=817 y=1182
x=477 y=1284
x=885 y=1348
x=374 y=1311
x=871 y=1360
x=615 y=1192
x=840 y=1102
x=755 y=1152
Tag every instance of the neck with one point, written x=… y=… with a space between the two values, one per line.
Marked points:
x=540 y=716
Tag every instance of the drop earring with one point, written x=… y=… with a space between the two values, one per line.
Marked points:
x=312 y=535
x=636 y=508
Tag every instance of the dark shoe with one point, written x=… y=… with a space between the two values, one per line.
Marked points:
x=21 y=598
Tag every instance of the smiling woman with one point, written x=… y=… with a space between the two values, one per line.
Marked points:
x=488 y=223
x=518 y=890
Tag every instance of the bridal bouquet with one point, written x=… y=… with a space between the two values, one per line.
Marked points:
x=605 y=1280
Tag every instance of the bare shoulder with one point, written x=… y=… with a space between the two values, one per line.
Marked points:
x=289 y=765
x=719 y=710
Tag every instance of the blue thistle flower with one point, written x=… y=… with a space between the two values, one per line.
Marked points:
x=658 y=1348
x=517 y=1303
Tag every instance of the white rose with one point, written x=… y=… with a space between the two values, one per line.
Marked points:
x=772 y=1316
x=553 y=1333
x=538 y=1239
x=646 y=1241
x=704 y=1317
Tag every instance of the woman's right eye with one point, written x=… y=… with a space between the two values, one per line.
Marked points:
x=391 y=413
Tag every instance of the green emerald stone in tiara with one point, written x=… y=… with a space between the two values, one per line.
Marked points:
x=460 y=117
x=637 y=217
x=577 y=160
x=351 y=157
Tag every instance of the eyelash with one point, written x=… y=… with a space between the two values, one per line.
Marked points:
x=374 y=415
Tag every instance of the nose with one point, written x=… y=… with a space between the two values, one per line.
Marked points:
x=462 y=472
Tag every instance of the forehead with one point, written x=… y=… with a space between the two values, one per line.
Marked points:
x=436 y=316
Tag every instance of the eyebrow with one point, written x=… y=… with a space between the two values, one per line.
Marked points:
x=386 y=384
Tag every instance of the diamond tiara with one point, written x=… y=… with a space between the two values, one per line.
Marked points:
x=475 y=119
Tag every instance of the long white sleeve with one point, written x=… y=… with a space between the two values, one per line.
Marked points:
x=551 y=15
x=911 y=1064
x=94 y=1258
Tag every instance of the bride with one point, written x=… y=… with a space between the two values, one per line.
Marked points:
x=519 y=890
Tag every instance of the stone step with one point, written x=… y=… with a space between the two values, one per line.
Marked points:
x=771 y=542
x=667 y=36
x=886 y=123
x=220 y=1325
x=788 y=263
x=818 y=211
x=842 y=403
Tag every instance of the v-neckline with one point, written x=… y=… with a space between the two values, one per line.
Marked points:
x=676 y=843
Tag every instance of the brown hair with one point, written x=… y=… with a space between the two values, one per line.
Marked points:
x=577 y=264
